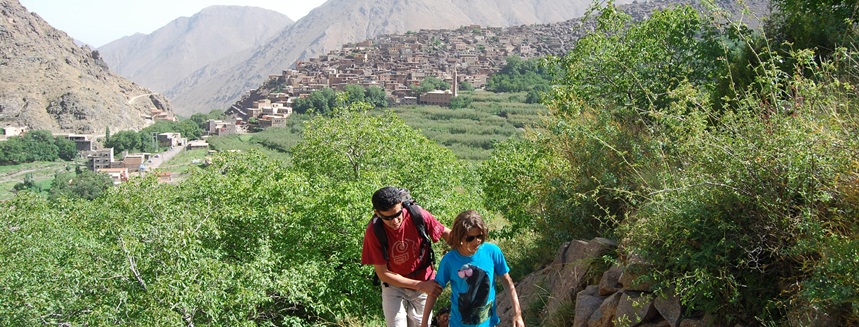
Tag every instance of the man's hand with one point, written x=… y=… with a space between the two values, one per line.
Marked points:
x=430 y=288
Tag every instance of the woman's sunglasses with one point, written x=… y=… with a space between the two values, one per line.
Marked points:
x=470 y=238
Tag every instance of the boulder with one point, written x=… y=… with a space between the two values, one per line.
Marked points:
x=604 y=316
x=633 y=269
x=587 y=302
x=668 y=306
x=609 y=283
x=634 y=309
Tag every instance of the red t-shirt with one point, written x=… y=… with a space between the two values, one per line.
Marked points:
x=403 y=246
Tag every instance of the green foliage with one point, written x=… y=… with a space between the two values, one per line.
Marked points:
x=325 y=100
x=83 y=184
x=319 y=102
x=187 y=128
x=377 y=97
x=471 y=133
x=130 y=141
x=461 y=102
x=39 y=145
x=202 y=119
x=29 y=183
x=465 y=86
x=635 y=67
x=246 y=241
x=430 y=83
x=823 y=25
x=519 y=75
x=739 y=204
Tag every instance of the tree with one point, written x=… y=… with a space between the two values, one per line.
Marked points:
x=66 y=149
x=39 y=145
x=125 y=141
x=377 y=97
x=519 y=75
x=430 y=83
x=355 y=92
x=822 y=25
x=84 y=184
x=461 y=102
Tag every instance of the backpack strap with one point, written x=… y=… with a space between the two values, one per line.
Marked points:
x=379 y=230
x=426 y=245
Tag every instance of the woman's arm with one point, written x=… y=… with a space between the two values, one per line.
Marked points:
x=428 y=308
x=514 y=300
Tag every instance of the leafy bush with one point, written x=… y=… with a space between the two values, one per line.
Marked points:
x=741 y=208
x=519 y=75
x=246 y=241
x=34 y=146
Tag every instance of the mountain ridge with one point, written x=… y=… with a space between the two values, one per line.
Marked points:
x=48 y=82
x=159 y=59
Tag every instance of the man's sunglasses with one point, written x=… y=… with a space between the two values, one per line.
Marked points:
x=391 y=216
x=470 y=238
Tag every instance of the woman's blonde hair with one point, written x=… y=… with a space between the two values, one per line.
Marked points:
x=465 y=221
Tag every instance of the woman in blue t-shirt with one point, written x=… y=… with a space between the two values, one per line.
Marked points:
x=471 y=269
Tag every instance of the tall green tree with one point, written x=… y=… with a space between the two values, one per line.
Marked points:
x=83 y=184
x=822 y=25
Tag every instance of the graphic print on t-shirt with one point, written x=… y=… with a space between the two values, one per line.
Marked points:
x=402 y=251
x=473 y=303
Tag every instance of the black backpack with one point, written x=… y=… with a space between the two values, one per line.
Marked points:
x=427 y=255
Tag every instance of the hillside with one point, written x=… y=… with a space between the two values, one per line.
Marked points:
x=341 y=21
x=160 y=59
x=48 y=82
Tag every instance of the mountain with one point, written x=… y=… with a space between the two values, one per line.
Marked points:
x=161 y=59
x=336 y=22
x=48 y=82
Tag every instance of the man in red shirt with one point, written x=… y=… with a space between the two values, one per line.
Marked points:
x=405 y=280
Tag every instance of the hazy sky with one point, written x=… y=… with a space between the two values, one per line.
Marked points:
x=98 y=22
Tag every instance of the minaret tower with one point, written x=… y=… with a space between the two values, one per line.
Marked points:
x=455 y=82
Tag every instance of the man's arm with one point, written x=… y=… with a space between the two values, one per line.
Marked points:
x=445 y=235
x=514 y=300
x=429 y=287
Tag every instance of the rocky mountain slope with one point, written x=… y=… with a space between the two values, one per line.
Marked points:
x=48 y=82
x=161 y=59
x=336 y=22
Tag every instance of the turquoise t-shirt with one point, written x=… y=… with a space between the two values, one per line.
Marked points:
x=472 y=284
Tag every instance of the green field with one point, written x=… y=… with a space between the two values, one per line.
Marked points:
x=471 y=133
x=42 y=172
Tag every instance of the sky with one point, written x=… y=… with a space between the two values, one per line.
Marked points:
x=98 y=22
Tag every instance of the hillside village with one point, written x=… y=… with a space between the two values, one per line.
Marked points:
x=395 y=63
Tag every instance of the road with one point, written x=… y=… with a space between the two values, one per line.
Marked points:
x=164 y=156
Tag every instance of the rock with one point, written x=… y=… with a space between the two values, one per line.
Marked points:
x=633 y=309
x=668 y=306
x=573 y=263
x=634 y=268
x=609 y=283
x=604 y=316
x=587 y=302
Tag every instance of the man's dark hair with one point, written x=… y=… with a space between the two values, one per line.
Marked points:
x=386 y=197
